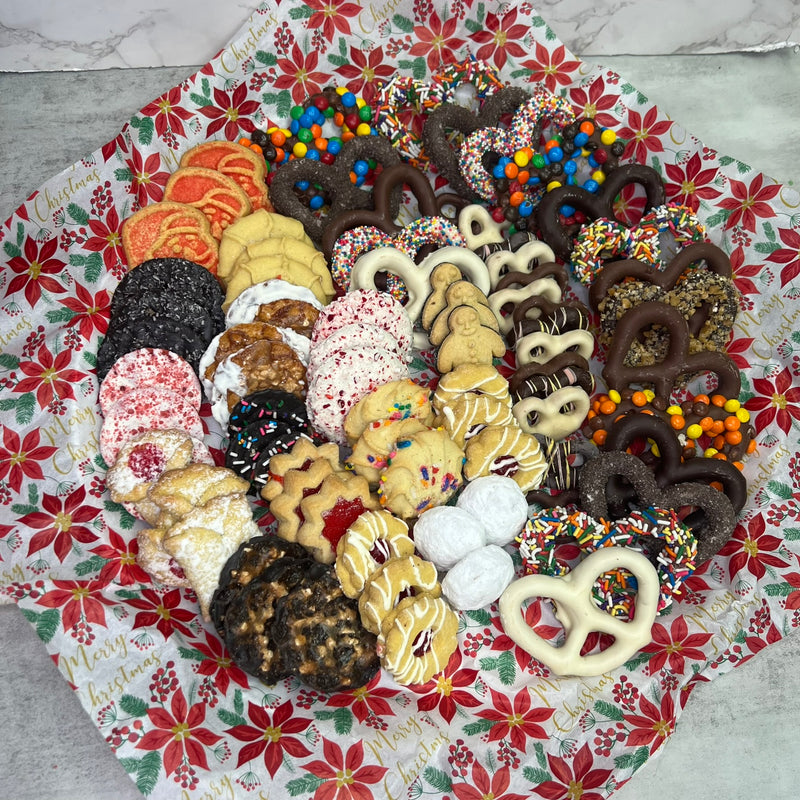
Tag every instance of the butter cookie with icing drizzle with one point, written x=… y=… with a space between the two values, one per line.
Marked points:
x=506 y=450
x=374 y=538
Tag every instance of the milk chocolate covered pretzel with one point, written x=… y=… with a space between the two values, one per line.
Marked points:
x=677 y=363
x=450 y=117
x=334 y=179
x=594 y=206
x=383 y=213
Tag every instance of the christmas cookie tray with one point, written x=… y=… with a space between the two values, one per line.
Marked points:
x=154 y=678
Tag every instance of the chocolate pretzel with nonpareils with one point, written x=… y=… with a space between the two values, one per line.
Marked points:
x=615 y=481
x=678 y=362
x=593 y=205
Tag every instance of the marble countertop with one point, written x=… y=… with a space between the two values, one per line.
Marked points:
x=730 y=742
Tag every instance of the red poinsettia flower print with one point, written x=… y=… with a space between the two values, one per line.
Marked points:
x=775 y=401
x=515 y=719
x=689 y=183
x=162 y=610
x=219 y=665
x=653 y=725
x=364 y=71
x=61 y=523
x=365 y=701
x=168 y=113
x=49 y=377
x=484 y=786
x=595 y=103
x=500 y=37
x=271 y=735
x=107 y=239
x=748 y=203
x=230 y=113
x=331 y=16
x=35 y=270
x=789 y=255
x=675 y=646
x=753 y=549
x=19 y=459
x=300 y=74
x=147 y=178
x=576 y=781
x=642 y=134
x=743 y=273
x=120 y=566
x=447 y=691
x=179 y=733
x=77 y=599
x=92 y=312
x=548 y=68
x=436 y=40
x=345 y=777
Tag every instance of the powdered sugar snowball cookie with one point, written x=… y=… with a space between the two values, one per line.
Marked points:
x=499 y=503
x=149 y=366
x=145 y=409
x=446 y=534
x=342 y=379
x=366 y=305
x=245 y=307
x=355 y=334
x=479 y=578
x=142 y=460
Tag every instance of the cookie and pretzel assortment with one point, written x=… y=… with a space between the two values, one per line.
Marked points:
x=396 y=504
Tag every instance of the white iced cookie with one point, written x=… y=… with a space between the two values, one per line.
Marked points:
x=245 y=307
x=499 y=504
x=446 y=534
x=577 y=612
x=479 y=578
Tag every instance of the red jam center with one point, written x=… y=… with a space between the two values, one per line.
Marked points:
x=339 y=518
x=504 y=465
x=422 y=643
x=380 y=551
x=146 y=461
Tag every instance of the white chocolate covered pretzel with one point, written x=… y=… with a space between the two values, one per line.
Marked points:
x=577 y=612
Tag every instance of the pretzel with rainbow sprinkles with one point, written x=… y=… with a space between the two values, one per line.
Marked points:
x=612 y=591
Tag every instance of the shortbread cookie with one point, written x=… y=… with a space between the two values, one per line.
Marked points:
x=371 y=451
x=300 y=457
x=469 y=413
x=424 y=471
x=395 y=400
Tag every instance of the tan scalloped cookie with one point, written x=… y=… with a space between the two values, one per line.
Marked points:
x=219 y=197
x=235 y=161
x=252 y=229
x=169 y=230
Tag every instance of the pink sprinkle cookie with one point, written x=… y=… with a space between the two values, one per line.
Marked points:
x=366 y=305
x=342 y=379
x=149 y=367
x=145 y=409
x=356 y=334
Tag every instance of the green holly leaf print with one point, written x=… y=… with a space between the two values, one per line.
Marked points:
x=478 y=727
x=93 y=564
x=438 y=778
x=403 y=23
x=536 y=776
x=268 y=59
x=791 y=534
x=145 y=128
x=308 y=783
x=632 y=760
x=77 y=214
x=46 y=623
x=342 y=719
x=783 y=490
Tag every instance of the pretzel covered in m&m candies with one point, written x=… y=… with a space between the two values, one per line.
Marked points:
x=711 y=427
x=674 y=560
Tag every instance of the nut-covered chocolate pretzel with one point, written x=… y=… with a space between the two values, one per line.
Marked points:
x=334 y=180
x=678 y=362
x=593 y=206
